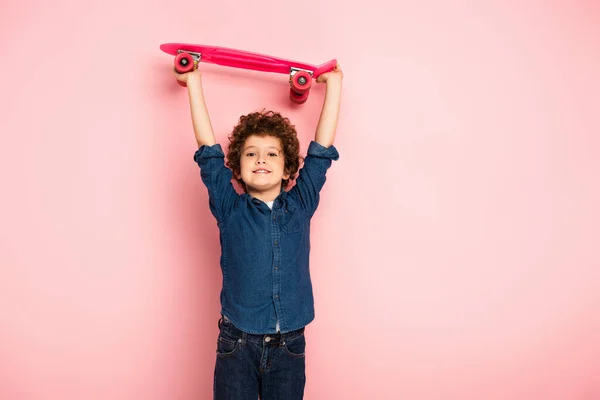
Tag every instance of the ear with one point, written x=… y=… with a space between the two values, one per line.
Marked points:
x=237 y=174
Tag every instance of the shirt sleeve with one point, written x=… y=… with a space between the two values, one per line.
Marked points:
x=311 y=178
x=217 y=179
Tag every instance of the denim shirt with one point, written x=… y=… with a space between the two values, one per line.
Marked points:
x=265 y=252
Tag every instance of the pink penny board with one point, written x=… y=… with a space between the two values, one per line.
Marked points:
x=187 y=57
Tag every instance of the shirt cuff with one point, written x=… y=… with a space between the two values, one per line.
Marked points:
x=205 y=151
x=317 y=150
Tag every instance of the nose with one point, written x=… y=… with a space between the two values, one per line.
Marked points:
x=260 y=160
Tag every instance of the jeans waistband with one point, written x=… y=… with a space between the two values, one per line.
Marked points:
x=227 y=326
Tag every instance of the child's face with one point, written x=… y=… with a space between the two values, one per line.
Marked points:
x=262 y=164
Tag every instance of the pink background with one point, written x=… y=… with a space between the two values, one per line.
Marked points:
x=455 y=251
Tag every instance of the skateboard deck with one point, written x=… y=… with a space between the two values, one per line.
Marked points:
x=188 y=56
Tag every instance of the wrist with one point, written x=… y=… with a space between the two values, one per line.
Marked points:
x=194 y=79
x=333 y=85
x=334 y=81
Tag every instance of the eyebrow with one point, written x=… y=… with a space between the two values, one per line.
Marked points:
x=270 y=147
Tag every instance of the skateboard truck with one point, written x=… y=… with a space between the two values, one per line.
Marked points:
x=294 y=71
x=184 y=61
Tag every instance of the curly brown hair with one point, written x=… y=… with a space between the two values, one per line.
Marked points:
x=265 y=123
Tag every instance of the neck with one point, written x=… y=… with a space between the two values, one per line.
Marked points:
x=265 y=196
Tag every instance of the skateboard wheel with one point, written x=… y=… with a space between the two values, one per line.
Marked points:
x=298 y=98
x=184 y=62
x=301 y=82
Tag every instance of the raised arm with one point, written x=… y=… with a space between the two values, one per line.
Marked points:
x=200 y=118
x=325 y=134
x=209 y=156
x=321 y=151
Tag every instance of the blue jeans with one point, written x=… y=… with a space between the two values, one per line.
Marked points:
x=249 y=366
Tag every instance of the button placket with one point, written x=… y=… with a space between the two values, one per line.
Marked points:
x=275 y=216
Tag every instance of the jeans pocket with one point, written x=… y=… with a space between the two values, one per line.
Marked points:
x=226 y=347
x=296 y=347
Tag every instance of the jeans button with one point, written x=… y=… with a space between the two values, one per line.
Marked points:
x=267 y=339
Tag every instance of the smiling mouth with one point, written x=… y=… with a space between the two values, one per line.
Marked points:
x=261 y=171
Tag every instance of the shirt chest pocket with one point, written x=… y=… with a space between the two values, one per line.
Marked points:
x=291 y=221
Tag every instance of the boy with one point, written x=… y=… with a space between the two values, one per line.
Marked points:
x=266 y=298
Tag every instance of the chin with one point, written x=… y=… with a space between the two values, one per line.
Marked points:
x=262 y=188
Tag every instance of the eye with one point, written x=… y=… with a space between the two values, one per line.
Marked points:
x=250 y=154
x=273 y=154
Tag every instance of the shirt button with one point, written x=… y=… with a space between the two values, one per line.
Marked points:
x=276 y=243
x=276 y=268
x=267 y=339
x=276 y=296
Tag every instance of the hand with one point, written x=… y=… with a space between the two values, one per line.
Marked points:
x=185 y=77
x=335 y=74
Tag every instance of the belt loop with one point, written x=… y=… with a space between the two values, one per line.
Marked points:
x=282 y=340
x=244 y=334
x=220 y=322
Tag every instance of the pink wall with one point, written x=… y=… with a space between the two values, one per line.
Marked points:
x=455 y=252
